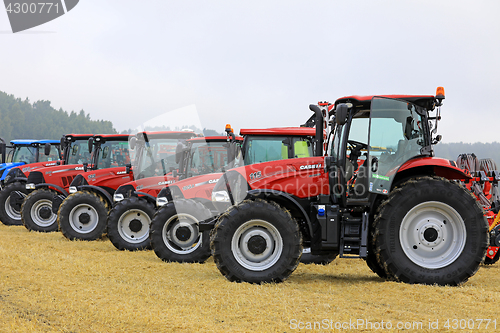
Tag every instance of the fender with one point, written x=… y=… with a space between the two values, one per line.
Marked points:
x=17 y=179
x=282 y=197
x=439 y=166
x=56 y=187
x=98 y=190
x=147 y=196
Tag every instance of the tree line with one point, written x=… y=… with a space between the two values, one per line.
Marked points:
x=21 y=119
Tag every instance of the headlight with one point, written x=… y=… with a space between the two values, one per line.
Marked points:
x=30 y=186
x=73 y=189
x=118 y=197
x=220 y=196
x=161 y=201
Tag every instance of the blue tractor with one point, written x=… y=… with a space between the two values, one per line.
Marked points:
x=32 y=153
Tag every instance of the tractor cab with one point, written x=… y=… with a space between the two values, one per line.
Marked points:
x=27 y=152
x=156 y=152
x=75 y=148
x=375 y=139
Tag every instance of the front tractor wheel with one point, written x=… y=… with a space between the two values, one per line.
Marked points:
x=431 y=231
x=83 y=215
x=36 y=211
x=256 y=242
x=174 y=232
x=11 y=198
x=128 y=224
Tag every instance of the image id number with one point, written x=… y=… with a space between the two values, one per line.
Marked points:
x=40 y=7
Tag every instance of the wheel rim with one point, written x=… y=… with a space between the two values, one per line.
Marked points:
x=133 y=226
x=257 y=245
x=83 y=218
x=39 y=211
x=181 y=235
x=432 y=235
x=11 y=212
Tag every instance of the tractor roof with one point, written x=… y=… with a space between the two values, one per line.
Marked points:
x=111 y=137
x=28 y=142
x=79 y=136
x=167 y=134
x=280 y=131
x=213 y=139
x=363 y=102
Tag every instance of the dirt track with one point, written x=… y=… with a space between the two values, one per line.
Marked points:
x=50 y=284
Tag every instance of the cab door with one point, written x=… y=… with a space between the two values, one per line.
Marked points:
x=396 y=134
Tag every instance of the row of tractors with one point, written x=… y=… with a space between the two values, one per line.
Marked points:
x=358 y=180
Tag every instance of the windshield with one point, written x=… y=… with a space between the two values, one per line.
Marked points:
x=156 y=157
x=208 y=157
x=24 y=154
x=113 y=154
x=263 y=149
x=53 y=155
x=79 y=152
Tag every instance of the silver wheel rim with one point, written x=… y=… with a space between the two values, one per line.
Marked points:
x=74 y=218
x=263 y=260
x=129 y=222
x=11 y=212
x=35 y=213
x=173 y=225
x=432 y=235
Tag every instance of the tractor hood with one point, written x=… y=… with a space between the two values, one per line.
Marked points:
x=5 y=167
x=110 y=178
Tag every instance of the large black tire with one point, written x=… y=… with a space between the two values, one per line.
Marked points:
x=257 y=242
x=83 y=215
x=431 y=231
x=9 y=215
x=36 y=211
x=489 y=261
x=128 y=224
x=174 y=232
x=323 y=259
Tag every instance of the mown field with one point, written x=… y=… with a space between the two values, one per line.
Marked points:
x=49 y=284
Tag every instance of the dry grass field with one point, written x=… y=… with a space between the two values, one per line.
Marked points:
x=49 y=284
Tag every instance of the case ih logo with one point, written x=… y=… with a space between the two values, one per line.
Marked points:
x=26 y=14
x=310 y=166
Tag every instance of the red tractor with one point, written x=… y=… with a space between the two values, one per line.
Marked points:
x=135 y=202
x=176 y=232
x=83 y=214
x=378 y=194
x=43 y=186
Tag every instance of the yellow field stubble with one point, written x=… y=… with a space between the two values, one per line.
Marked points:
x=50 y=284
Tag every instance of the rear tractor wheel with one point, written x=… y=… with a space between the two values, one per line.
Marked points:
x=431 y=231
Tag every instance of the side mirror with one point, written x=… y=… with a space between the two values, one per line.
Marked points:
x=341 y=113
x=128 y=167
x=105 y=152
x=63 y=143
x=132 y=142
x=85 y=166
x=179 y=151
x=47 y=149
x=91 y=144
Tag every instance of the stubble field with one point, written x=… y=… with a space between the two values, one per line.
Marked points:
x=50 y=284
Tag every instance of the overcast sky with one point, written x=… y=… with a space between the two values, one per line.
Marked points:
x=259 y=63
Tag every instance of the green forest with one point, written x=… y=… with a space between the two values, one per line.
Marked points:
x=21 y=119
